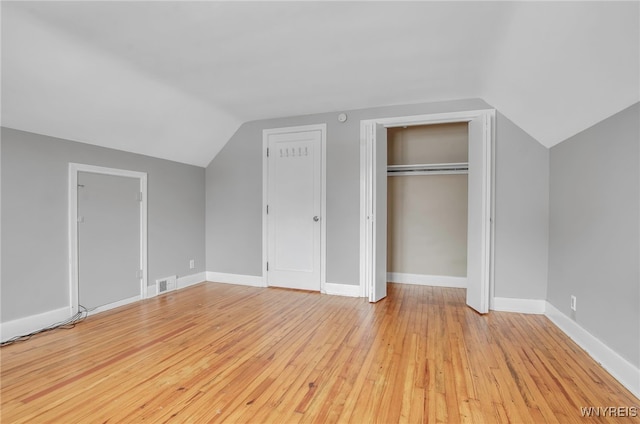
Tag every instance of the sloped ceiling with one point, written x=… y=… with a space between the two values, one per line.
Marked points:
x=175 y=79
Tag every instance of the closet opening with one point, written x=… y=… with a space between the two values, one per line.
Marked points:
x=373 y=200
x=427 y=204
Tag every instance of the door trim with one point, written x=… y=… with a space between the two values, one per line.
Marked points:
x=323 y=196
x=74 y=169
x=367 y=187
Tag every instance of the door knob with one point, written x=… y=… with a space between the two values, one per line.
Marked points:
x=316 y=218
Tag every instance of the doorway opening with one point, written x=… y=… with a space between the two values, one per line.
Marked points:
x=427 y=199
x=373 y=202
x=90 y=172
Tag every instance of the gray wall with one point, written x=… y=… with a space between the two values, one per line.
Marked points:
x=234 y=198
x=34 y=277
x=522 y=213
x=594 y=231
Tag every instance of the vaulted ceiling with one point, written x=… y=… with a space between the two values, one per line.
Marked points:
x=175 y=79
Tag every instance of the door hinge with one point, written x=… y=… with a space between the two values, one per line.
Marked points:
x=267 y=209
x=139 y=196
x=267 y=152
x=267 y=266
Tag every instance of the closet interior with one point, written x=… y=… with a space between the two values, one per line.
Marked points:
x=427 y=200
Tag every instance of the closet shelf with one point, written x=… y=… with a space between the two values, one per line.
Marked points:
x=428 y=169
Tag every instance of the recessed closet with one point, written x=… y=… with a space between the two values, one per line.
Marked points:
x=427 y=209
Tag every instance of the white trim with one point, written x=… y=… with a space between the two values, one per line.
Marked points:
x=239 y=279
x=342 y=290
x=27 y=325
x=427 y=280
x=523 y=306
x=492 y=214
x=323 y=195
x=432 y=118
x=365 y=204
x=113 y=305
x=622 y=370
x=190 y=280
x=74 y=169
x=367 y=168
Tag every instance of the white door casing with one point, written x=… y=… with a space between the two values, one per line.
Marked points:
x=480 y=246
x=294 y=207
x=74 y=170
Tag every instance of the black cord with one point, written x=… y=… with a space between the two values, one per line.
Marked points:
x=66 y=324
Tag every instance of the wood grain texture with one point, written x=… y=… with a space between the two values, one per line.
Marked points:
x=223 y=353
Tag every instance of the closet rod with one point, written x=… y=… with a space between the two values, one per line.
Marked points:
x=428 y=169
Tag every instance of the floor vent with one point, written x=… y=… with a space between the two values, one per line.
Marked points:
x=166 y=284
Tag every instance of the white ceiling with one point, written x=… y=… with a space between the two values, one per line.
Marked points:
x=175 y=79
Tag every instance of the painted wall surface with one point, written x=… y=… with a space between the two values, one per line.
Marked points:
x=234 y=197
x=34 y=217
x=427 y=225
x=108 y=239
x=595 y=231
x=521 y=213
x=421 y=144
x=427 y=214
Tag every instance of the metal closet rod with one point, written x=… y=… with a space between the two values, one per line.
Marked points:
x=428 y=169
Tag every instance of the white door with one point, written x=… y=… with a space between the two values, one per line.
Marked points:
x=379 y=289
x=479 y=209
x=294 y=208
x=108 y=239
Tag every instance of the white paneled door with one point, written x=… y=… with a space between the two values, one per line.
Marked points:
x=479 y=213
x=294 y=207
x=379 y=216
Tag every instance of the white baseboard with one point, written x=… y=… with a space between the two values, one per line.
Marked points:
x=113 y=305
x=342 y=290
x=239 y=279
x=190 y=280
x=427 y=280
x=523 y=306
x=621 y=369
x=27 y=325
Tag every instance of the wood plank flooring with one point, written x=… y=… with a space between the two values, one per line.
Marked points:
x=223 y=353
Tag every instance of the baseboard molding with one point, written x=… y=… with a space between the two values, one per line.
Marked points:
x=427 y=280
x=621 y=369
x=113 y=305
x=523 y=306
x=190 y=280
x=342 y=290
x=239 y=279
x=27 y=325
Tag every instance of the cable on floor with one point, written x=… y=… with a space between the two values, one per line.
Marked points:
x=66 y=324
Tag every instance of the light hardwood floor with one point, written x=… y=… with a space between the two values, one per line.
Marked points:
x=224 y=353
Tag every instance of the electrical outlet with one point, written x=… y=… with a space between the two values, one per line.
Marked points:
x=573 y=303
x=192 y=264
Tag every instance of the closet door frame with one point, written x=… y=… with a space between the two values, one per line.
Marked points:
x=368 y=189
x=74 y=169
